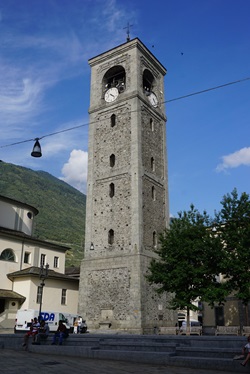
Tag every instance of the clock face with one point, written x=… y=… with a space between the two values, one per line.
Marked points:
x=111 y=94
x=153 y=99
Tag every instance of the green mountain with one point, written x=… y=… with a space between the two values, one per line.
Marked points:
x=61 y=217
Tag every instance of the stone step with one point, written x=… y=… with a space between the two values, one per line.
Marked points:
x=207 y=352
x=158 y=358
x=138 y=346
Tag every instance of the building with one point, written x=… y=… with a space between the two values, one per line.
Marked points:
x=21 y=257
x=127 y=196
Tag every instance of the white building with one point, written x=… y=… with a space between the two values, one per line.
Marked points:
x=21 y=257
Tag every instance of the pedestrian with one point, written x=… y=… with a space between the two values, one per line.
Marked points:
x=43 y=332
x=75 y=326
x=33 y=331
x=61 y=333
x=246 y=350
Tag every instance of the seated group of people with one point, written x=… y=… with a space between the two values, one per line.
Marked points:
x=40 y=331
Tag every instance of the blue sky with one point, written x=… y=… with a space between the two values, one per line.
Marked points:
x=45 y=80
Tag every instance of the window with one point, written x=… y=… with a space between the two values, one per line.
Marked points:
x=111 y=189
x=112 y=160
x=113 y=120
x=8 y=255
x=43 y=258
x=151 y=122
x=29 y=215
x=152 y=164
x=115 y=77
x=148 y=81
x=27 y=256
x=111 y=237
x=56 y=262
x=63 y=299
x=153 y=193
x=39 y=294
x=154 y=239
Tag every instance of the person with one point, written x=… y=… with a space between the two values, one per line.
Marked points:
x=246 y=349
x=61 y=333
x=43 y=332
x=33 y=331
x=75 y=326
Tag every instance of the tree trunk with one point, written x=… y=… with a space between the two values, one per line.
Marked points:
x=188 y=328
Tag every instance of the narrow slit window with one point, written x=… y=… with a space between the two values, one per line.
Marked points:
x=153 y=192
x=111 y=190
x=111 y=237
x=154 y=239
x=113 y=120
x=152 y=164
x=112 y=160
x=151 y=122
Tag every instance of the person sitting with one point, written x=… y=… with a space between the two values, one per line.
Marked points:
x=33 y=331
x=246 y=349
x=43 y=332
x=61 y=333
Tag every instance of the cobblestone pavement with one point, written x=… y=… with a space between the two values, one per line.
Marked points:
x=16 y=362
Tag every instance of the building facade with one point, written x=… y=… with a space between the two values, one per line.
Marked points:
x=21 y=257
x=127 y=196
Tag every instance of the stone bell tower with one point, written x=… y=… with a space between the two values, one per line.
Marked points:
x=127 y=196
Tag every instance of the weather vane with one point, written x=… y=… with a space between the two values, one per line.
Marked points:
x=128 y=29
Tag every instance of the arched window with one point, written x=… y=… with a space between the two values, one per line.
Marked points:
x=148 y=81
x=151 y=123
x=8 y=255
x=154 y=239
x=113 y=120
x=115 y=77
x=152 y=164
x=112 y=160
x=153 y=193
x=111 y=189
x=111 y=237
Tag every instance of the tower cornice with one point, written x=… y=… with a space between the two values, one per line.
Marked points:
x=125 y=47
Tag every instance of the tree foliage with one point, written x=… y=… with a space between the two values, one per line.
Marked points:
x=189 y=259
x=195 y=249
x=234 y=231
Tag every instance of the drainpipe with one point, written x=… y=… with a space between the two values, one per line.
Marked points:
x=21 y=262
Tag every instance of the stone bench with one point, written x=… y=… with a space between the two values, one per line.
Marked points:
x=194 y=330
x=168 y=331
x=227 y=330
x=246 y=330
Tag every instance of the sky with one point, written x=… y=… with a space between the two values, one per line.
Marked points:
x=45 y=46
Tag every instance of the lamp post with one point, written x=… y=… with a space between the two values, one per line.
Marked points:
x=43 y=274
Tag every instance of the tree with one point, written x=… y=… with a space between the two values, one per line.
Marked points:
x=188 y=263
x=234 y=227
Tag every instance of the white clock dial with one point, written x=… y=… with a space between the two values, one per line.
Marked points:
x=153 y=99
x=111 y=94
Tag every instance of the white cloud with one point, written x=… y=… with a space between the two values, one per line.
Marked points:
x=75 y=170
x=233 y=160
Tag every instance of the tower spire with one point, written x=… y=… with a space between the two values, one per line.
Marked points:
x=128 y=29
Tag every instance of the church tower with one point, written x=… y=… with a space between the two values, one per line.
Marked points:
x=127 y=196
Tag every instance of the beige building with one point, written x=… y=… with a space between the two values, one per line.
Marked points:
x=21 y=257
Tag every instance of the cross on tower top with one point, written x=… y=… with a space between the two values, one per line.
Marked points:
x=128 y=29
